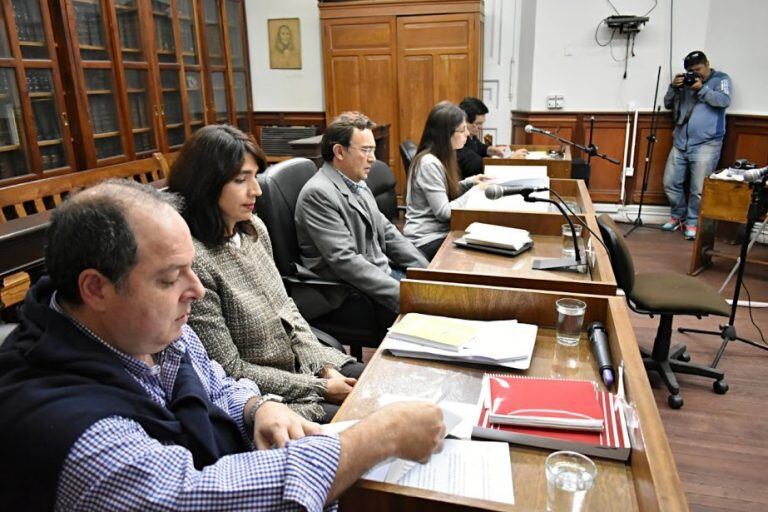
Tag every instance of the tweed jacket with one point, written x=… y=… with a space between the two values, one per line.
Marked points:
x=248 y=323
x=334 y=232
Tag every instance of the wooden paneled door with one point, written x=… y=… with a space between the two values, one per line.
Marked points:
x=438 y=59
x=359 y=60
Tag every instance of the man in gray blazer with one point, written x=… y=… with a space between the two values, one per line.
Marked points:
x=341 y=232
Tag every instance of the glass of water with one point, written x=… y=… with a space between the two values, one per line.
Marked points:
x=570 y=318
x=568 y=250
x=570 y=476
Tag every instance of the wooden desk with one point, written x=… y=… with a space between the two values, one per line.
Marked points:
x=720 y=200
x=458 y=265
x=557 y=167
x=648 y=482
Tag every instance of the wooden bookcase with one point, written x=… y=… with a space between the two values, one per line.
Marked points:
x=89 y=83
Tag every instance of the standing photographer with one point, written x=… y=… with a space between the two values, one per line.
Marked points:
x=698 y=99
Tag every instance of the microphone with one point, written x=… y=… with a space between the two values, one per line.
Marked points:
x=599 y=341
x=755 y=175
x=529 y=128
x=499 y=191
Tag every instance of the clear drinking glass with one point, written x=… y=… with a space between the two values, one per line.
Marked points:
x=570 y=318
x=568 y=250
x=570 y=477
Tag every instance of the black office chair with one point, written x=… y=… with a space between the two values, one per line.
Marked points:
x=280 y=186
x=381 y=181
x=407 y=154
x=665 y=295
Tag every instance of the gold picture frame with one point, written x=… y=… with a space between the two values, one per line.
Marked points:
x=284 y=43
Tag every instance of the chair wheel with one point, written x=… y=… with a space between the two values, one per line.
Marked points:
x=675 y=401
x=685 y=357
x=720 y=387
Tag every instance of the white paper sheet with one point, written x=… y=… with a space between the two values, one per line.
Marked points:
x=474 y=469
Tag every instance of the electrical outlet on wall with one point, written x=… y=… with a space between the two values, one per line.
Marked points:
x=629 y=171
x=555 y=101
x=559 y=101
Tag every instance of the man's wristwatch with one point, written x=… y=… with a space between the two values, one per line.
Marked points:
x=251 y=416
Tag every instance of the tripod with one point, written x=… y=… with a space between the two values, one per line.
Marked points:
x=757 y=207
x=638 y=223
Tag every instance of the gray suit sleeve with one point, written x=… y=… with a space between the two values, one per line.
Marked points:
x=319 y=217
x=399 y=249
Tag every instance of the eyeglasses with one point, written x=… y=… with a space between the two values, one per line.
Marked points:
x=366 y=150
x=461 y=129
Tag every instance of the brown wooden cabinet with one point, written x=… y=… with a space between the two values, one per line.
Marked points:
x=393 y=60
x=88 y=83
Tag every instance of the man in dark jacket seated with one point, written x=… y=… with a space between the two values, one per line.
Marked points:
x=471 y=156
x=109 y=401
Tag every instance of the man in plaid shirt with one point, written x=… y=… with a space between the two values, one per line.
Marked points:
x=110 y=402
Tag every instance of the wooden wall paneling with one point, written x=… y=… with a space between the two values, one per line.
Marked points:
x=565 y=125
x=655 y=192
x=746 y=136
x=437 y=60
x=608 y=136
x=361 y=71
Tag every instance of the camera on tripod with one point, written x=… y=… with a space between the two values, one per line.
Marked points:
x=689 y=78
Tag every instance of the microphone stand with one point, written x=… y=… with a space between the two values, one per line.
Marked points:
x=590 y=149
x=558 y=263
x=757 y=207
x=638 y=223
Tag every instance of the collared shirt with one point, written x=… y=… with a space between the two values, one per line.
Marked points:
x=356 y=187
x=116 y=465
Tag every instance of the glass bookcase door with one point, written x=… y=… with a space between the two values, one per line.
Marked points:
x=214 y=39
x=165 y=42
x=13 y=148
x=219 y=85
x=188 y=29
x=235 y=30
x=136 y=87
x=240 y=90
x=91 y=31
x=128 y=29
x=103 y=111
x=42 y=94
x=30 y=30
x=195 y=99
x=172 y=107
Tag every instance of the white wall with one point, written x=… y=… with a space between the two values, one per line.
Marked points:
x=285 y=90
x=525 y=59
x=736 y=44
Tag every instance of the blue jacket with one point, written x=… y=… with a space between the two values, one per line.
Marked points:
x=706 y=121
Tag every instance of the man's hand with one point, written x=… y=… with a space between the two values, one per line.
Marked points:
x=275 y=424
x=416 y=429
x=520 y=152
x=698 y=84
x=496 y=150
x=677 y=82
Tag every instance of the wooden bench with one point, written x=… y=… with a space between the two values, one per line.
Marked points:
x=25 y=214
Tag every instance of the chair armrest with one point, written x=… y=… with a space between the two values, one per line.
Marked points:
x=327 y=339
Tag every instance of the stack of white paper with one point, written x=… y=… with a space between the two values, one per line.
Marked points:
x=513 y=176
x=500 y=343
x=479 y=233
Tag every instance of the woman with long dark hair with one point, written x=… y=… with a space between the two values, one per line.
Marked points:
x=246 y=320
x=434 y=188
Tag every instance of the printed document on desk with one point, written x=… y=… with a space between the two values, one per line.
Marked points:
x=474 y=469
x=512 y=176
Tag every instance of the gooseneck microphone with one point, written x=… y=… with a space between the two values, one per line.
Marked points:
x=529 y=128
x=599 y=341
x=499 y=191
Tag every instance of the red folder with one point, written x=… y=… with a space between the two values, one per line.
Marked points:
x=540 y=393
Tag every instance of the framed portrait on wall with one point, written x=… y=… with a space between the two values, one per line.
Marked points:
x=284 y=43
